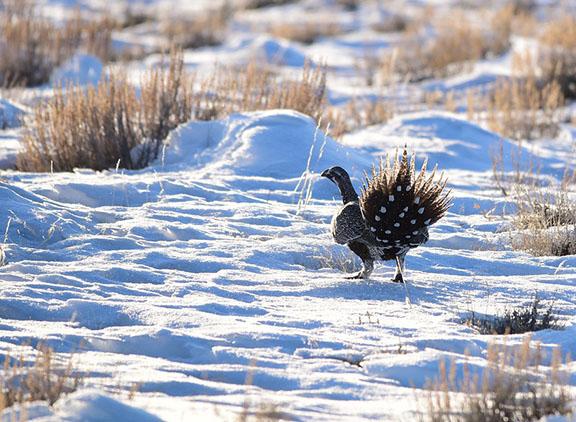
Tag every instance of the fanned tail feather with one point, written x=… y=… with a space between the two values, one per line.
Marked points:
x=398 y=205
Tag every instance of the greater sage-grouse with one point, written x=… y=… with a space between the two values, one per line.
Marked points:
x=392 y=215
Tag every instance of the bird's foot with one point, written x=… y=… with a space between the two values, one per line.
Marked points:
x=398 y=279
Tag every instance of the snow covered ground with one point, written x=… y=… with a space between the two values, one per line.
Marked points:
x=206 y=282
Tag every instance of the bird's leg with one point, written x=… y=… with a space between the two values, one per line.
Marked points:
x=367 y=268
x=398 y=277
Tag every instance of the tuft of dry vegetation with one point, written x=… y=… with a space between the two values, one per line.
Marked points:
x=513 y=387
x=31 y=46
x=131 y=18
x=264 y=411
x=391 y=23
x=45 y=380
x=100 y=127
x=557 y=56
x=546 y=224
x=202 y=30
x=252 y=88
x=307 y=31
x=524 y=109
x=533 y=317
x=457 y=44
x=524 y=172
x=357 y=114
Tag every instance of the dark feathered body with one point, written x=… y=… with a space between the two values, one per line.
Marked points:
x=393 y=213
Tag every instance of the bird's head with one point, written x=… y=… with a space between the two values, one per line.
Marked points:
x=335 y=174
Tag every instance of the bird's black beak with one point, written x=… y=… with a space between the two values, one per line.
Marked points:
x=326 y=173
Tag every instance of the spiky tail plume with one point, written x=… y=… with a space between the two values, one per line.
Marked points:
x=398 y=205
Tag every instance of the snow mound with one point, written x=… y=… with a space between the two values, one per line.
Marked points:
x=92 y=406
x=279 y=52
x=10 y=114
x=276 y=144
x=445 y=139
x=81 y=69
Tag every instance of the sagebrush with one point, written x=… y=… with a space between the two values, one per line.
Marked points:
x=100 y=127
x=514 y=386
x=534 y=316
x=32 y=46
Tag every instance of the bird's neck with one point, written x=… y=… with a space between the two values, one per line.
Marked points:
x=347 y=190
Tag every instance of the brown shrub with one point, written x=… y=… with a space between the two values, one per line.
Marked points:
x=546 y=223
x=513 y=387
x=525 y=109
x=456 y=46
x=557 y=57
x=307 y=31
x=31 y=46
x=357 y=114
x=256 y=88
x=99 y=127
x=391 y=23
x=205 y=29
x=46 y=380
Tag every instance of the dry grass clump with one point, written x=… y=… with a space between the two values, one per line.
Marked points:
x=513 y=387
x=252 y=88
x=205 y=29
x=357 y=114
x=131 y=18
x=525 y=109
x=532 y=317
x=537 y=209
x=557 y=56
x=306 y=31
x=99 y=127
x=546 y=224
x=264 y=411
x=514 y=170
x=456 y=46
x=45 y=380
x=31 y=46
x=498 y=37
x=391 y=23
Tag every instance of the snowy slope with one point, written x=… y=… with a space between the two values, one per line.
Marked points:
x=197 y=280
